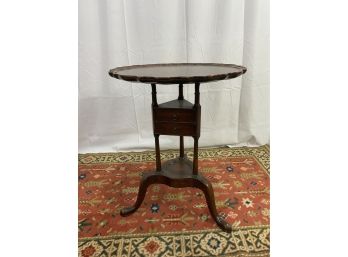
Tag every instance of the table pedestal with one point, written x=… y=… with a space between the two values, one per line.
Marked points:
x=181 y=118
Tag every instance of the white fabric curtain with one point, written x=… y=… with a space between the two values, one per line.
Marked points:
x=116 y=115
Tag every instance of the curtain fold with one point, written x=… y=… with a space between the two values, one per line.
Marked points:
x=116 y=115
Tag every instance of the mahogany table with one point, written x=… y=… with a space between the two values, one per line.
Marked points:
x=181 y=118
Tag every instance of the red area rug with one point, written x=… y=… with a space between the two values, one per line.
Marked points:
x=173 y=221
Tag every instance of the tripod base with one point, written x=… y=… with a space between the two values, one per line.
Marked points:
x=178 y=173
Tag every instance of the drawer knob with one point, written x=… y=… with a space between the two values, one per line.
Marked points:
x=174 y=129
x=174 y=117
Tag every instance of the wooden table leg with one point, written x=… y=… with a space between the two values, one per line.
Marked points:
x=146 y=181
x=182 y=151
x=158 y=154
x=208 y=191
x=195 y=156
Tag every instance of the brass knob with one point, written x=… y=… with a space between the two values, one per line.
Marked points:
x=174 y=117
x=174 y=129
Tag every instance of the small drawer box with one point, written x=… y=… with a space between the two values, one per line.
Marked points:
x=168 y=115
x=175 y=128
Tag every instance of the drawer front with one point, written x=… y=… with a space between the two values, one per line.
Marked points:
x=173 y=128
x=174 y=115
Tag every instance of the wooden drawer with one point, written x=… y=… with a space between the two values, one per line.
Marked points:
x=174 y=115
x=175 y=128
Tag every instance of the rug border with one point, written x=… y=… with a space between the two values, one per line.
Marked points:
x=247 y=151
x=173 y=233
x=266 y=147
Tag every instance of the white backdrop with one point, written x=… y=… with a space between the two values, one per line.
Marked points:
x=116 y=115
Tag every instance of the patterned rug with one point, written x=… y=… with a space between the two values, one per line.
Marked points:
x=174 y=221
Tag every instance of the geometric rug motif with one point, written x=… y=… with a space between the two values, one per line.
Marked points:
x=174 y=221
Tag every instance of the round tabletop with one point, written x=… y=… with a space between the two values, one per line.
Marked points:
x=177 y=73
